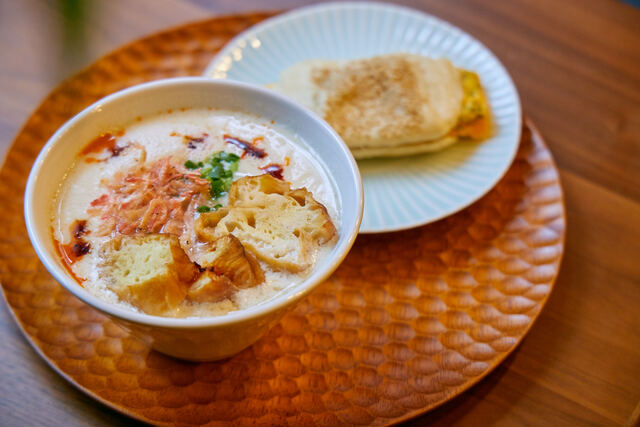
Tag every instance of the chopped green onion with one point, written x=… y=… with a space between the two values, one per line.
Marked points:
x=203 y=209
x=218 y=169
x=192 y=165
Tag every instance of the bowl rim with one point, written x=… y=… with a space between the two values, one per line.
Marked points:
x=277 y=302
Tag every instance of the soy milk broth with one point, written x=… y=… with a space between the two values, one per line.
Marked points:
x=190 y=134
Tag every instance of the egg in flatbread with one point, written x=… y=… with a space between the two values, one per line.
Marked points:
x=392 y=105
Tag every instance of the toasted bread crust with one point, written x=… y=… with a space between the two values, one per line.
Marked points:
x=382 y=101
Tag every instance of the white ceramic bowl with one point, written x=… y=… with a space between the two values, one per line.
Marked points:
x=194 y=338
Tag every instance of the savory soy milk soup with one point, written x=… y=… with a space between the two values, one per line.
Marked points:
x=194 y=213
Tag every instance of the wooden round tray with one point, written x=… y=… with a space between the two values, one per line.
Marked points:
x=410 y=320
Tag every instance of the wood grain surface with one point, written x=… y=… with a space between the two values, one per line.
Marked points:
x=578 y=72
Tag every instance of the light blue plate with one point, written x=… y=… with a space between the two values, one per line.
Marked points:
x=402 y=192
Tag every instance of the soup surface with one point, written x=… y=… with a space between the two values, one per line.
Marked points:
x=217 y=186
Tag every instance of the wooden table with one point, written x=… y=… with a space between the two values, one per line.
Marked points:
x=577 y=67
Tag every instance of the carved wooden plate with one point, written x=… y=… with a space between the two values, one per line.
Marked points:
x=410 y=320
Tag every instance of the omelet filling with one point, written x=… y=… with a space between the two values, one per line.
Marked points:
x=474 y=121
